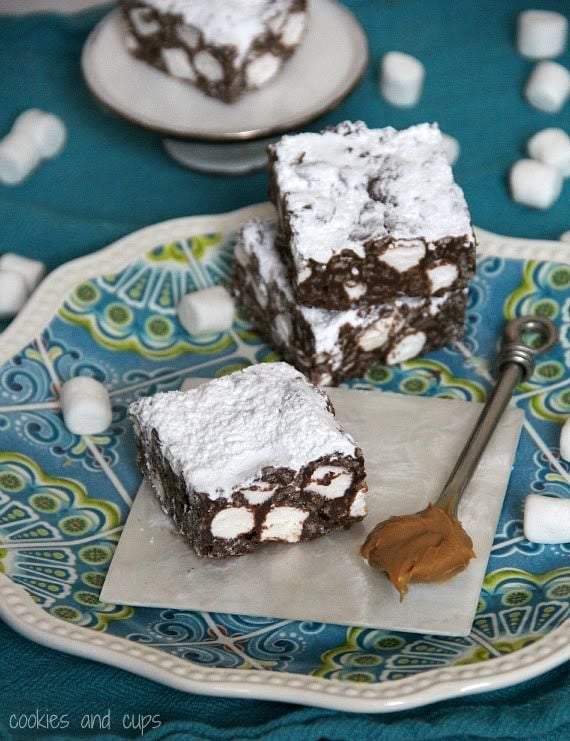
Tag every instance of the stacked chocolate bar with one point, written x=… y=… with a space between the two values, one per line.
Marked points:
x=371 y=254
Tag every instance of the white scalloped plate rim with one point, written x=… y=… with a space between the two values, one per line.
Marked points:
x=19 y=611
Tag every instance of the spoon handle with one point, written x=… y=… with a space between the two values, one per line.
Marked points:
x=516 y=363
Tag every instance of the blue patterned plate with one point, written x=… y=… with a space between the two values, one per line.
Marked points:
x=64 y=498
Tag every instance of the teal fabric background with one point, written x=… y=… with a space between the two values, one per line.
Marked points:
x=113 y=178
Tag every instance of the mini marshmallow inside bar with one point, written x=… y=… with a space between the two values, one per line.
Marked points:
x=224 y=48
x=316 y=340
x=251 y=457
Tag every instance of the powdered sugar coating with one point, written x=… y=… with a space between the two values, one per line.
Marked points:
x=257 y=241
x=237 y=23
x=351 y=184
x=220 y=436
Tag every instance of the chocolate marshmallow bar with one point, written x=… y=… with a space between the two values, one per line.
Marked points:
x=253 y=457
x=224 y=48
x=330 y=346
x=367 y=216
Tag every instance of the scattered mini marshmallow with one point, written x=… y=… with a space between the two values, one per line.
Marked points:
x=32 y=271
x=535 y=184
x=565 y=440
x=85 y=405
x=548 y=87
x=45 y=129
x=541 y=34
x=565 y=237
x=401 y=79
x=551 y=146
x=18 y=157
x=206 y=311
x=547 y=519
x=13 y=293
x=34 y=136
x=451 y=148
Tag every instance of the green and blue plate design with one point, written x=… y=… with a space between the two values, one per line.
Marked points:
x=64 y=498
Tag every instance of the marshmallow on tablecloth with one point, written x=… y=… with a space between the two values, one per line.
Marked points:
x=451 y=148
x=547 y=519
x=45 y=129
x=206 y=311
x=13 y=293
x=18 y=157
x=401 y=79
x=551 y=146
x=32 y=271
x=34 y=136
x=85 y=405
x=541 y=34
x=565 y=237
x=548 y=87
x=535 y=184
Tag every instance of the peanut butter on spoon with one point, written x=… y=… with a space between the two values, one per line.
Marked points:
x=429 y=546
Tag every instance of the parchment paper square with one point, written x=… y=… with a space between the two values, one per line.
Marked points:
x=410 y=445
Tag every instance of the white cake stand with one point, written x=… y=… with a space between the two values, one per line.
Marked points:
x=208 y=135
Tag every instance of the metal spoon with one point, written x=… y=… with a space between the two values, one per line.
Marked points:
x=516 y=364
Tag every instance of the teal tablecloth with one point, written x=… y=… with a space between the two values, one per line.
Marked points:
x=113 y=178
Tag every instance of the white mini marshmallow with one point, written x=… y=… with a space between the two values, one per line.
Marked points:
x=354 y=290
x=565 y=440
x=262 y=69
x=551 y=146
x=144 y=24
x=35 y=135
x=32 y=271
x=13 y=293
x=547 y=519
x=208 y=66
x=565 y=237
x=46 y=130
x=359 y=506
x=340 y=481
x=293 y=29
x=451 y=147
x=541 y=34
x=177 y=63
x=548 y=87
x=376 y=335
x=284 y=523
x=403 y=257
x=85 y=405
x=401 y=79
x=231 y=522
x=442 y=276
x=408 y=347
x=534 y=184
x=18 y=157
x=206 y=311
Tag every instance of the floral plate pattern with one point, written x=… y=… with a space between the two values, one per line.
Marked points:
x=64 y=498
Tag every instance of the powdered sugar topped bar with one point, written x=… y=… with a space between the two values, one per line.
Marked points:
x=222 y=435
x=254 y=456
x=366 y=214
x=235 y=23
x=225 y=48
x=328 y=345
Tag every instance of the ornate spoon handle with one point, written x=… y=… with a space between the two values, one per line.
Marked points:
x=516 y=362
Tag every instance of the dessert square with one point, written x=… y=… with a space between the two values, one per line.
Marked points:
x=367 y=216
x=224 y=48
x=331 y=346
x=249 y=458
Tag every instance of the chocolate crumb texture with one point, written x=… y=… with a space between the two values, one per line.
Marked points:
x=223 y=48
